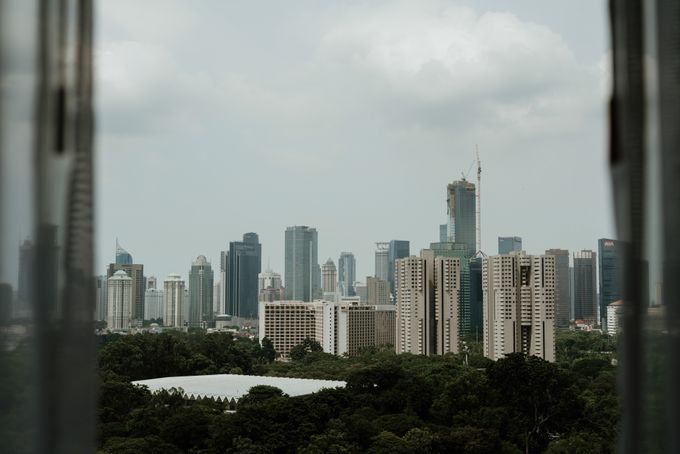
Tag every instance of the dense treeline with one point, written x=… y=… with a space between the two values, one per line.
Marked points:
x=392 y=403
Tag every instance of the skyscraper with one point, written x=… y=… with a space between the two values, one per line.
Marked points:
x=100 y=305
x=443 y=233
x=244 y=263
x=427 y=304
x=461 y=251
x=508 y=244
x=302 y=273
x=585 y=270
x=123 y=257
x=269 y=278
x=329 y=277
x=200 y=293
x=610 y=275
x=378 y=291
x=136 y=273
x=153 y=304
x=174 y=301
x=346 y=273
x=519 y=300
x=462 y=211
x=399 y=249
x=119 y=301
x=382 y=261
x=476 y=299
x=151 y=282
x=562 y=287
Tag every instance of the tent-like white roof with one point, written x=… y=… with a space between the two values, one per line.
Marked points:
x=227 y=386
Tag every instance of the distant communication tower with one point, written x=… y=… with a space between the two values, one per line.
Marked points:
x=479 y=202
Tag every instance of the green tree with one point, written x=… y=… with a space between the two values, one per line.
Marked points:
x=301 y=350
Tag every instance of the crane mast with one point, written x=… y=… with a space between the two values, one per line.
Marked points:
x=479 y=202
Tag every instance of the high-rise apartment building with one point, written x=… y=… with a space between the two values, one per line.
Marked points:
x=136 y=272
x=119 y=301
x=508 y=244
x=519 y=304
x=427 y=304
x=562 y=287
x=201 y=293
x=347 y=270
x=174 y=301
x=462 y=210
x=101 y=295
x=382 y=260
x=329 y=277
x=585 y=287
x=153 y=304
x=342 y=328
x=610 y=260
x=287 y=324
x=244 y=264
x=399 y=249
x=378 y=291
x=302 y=270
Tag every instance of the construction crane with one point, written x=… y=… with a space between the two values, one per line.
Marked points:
x=479 y=201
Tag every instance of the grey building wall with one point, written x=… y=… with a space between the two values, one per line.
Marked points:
x=508 y=244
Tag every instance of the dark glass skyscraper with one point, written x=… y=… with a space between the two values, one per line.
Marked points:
x=302 y=270
x=476 y=299
x=462 y=209
x=462 y=252
x=123 y=257
x=201 y=293
x=585 y=270
x=26 y=275
x=610 y=275
x=347 y=273
x=399 y=249
x=242 y=267
x=508 y=244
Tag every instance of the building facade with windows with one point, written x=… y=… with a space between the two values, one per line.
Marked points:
x=174 y=302
x=119 y=301
x=347 y=273
x=242 y=273
x=201 y=293
x=519 y=305
x=563 y=315
x=427 y=307
x=610 y=256
x=302 y=270
x=585 y=286
x=508 y=244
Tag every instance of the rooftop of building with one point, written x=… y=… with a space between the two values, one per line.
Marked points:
x=227 y=386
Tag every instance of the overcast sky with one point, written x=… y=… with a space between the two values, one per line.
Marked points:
x=218 y=118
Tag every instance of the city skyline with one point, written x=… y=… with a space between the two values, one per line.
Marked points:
x=259 y=124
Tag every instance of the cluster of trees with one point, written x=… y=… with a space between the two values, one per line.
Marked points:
x=392 y=403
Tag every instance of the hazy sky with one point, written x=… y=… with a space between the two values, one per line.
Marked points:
x=218 y=118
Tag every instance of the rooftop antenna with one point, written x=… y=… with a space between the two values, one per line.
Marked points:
x=479 y=201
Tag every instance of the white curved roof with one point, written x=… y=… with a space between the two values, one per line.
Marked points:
x=227 y=386
x=120 y=275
